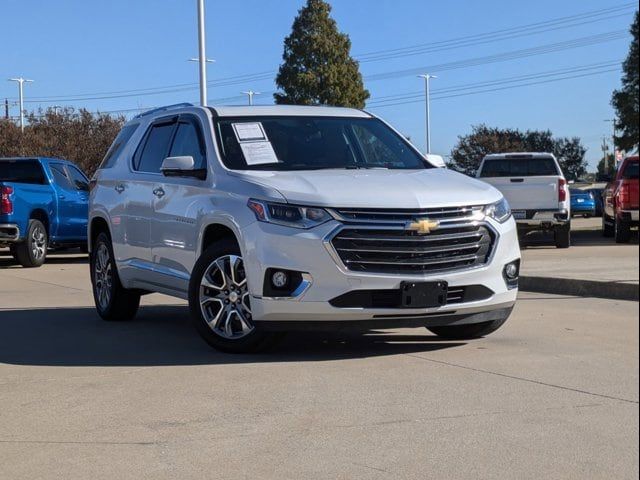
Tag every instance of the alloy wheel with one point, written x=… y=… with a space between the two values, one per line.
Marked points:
x=103 y=276
x=224 y=298
x=38 y=242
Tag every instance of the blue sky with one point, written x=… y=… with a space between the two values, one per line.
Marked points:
x=77 y=47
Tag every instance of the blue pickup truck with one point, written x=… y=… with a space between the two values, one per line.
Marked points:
x=43 y=204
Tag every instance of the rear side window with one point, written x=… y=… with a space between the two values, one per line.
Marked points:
x=511 y=167
x=630 y=171
x=78 y=178
x=22 y=171
x=188 y=142
x=60 y=177
x=117 y=146
x=156 y=147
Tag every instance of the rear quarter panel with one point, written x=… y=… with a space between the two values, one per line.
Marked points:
x=26 y=199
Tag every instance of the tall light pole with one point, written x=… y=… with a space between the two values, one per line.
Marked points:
x=426 y=78
x=202 y=54
x=21 y=81
x=251 y=94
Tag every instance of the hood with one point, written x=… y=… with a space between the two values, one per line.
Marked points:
x=430 y=188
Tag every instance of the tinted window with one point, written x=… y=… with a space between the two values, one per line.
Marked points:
x=532 y=167
x=117 y=146
x=60 y=177
x=630 y=171
x=312 y=143
x=22 y=171
x=156 y=147
x=187 y=142
x=77 y=178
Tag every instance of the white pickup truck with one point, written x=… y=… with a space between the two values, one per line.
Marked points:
x=536 y=189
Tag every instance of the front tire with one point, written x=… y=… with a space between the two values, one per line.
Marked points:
x=219 y=301
x=32 y=252
x=113 y=301
x=467 y=332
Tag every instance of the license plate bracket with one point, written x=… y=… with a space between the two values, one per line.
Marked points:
x=424 y=294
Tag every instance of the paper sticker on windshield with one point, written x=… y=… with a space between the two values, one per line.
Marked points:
x=258 y=153
x=250 y=132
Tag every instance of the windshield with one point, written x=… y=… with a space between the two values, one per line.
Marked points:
x=21 y=171
x=313 y=143
x=519 y=167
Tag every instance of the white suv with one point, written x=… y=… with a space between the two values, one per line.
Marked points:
x=280 y=217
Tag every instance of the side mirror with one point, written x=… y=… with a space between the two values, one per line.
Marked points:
x=182 y=167
x=435 y=160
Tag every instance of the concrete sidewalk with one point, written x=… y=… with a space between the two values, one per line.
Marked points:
x=593 y=266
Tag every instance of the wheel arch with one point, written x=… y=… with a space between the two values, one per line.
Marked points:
x=217 y=231
x=41 y=215
x=97 y=225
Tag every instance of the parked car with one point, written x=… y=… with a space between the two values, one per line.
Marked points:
x=272 y=218
x=536 y=189
x=582 y=203
x=597 y=197
x=43 y=204
x=621 y=201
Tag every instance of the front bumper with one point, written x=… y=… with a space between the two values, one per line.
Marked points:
x=272 y=246
x=9 y=233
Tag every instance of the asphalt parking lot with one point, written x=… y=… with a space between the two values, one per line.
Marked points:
x=554 y=394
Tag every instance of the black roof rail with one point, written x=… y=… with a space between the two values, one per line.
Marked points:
x=162 y=109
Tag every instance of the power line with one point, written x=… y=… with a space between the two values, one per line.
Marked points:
x=509 y=87
x=470 y=86
x=389 y=54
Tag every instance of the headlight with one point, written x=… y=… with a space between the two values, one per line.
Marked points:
x=499 y=211
x=288 y=215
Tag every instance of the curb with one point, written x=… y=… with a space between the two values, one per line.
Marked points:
x=580 y=288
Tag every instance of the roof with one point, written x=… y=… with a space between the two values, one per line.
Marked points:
x=35 y=158
x=288 y=110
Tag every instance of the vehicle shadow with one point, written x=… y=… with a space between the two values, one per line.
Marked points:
x=579 y=238
x=53 y=258
x=163 y=335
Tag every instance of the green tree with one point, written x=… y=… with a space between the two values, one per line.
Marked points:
x=317 y=66
x=626 y=101
x=471 y=149
x=611 y=164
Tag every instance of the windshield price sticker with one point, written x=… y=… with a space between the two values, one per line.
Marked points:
x=258 y=153
x=250 y=132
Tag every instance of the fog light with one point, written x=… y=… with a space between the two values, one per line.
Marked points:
x=511 y=270
x=279 y=279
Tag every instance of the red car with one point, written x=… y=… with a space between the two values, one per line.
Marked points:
x=620 y=212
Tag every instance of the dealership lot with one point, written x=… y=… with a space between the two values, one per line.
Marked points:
x=552 y=394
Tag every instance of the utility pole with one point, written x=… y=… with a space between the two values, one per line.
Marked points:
x=613 y=138
x=202 y=56
x=251 y=94
x=427 y=92
x=6 y=108
x=605 y=149
x=21 y=81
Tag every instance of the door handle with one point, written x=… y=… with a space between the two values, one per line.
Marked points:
x=119 y=188
x=159 y=192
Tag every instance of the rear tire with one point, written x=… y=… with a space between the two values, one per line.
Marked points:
x=622 y=231
x=562 y=236
x=32 y=252
x=219 y=301
x=607 y=228
x=113 y=301
x=467 y=332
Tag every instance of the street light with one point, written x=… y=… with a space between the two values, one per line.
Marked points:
x=202 y=56
x=426 y=78
x=21 y=81
x=251 y=94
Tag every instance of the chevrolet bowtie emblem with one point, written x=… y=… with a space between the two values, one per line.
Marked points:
x=423 y=226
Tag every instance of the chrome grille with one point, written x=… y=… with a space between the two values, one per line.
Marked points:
x=378 y=242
